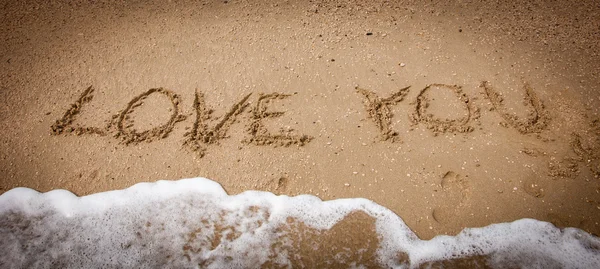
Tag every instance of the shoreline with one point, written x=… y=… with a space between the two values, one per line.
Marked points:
x=193 y=222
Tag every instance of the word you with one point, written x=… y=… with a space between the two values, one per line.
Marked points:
x=206 y=130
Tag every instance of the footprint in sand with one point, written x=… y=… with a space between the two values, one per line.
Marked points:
x=455 y=194
x=278 y=184
x=533 y=187
x=281 y=183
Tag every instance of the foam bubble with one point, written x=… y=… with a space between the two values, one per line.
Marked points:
x=194 y=223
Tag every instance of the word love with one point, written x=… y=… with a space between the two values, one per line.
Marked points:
x=200 y=135
x=206 y=130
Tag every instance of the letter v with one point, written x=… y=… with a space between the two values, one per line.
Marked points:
x=201 y=133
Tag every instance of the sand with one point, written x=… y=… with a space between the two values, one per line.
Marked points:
x=452 y=115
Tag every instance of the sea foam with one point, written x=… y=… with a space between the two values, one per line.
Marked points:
x=193 y=223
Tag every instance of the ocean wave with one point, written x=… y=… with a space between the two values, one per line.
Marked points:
x=194 y=223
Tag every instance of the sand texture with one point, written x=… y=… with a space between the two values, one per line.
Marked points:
x=451 y=115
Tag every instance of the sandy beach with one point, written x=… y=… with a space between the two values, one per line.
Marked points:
x=451 y=115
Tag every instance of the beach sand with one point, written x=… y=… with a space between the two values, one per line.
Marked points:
x=452 y=115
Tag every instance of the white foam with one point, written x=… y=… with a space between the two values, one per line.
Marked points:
x=194 y=223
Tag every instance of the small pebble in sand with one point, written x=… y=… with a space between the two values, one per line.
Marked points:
x=402 y=64
x=347 y=184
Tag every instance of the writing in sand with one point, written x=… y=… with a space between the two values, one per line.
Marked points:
x=208 y=130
